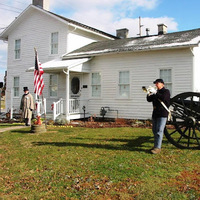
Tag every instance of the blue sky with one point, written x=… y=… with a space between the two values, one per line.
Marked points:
x=178 y=15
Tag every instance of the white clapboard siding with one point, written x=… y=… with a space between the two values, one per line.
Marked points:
x=196 y=70
x=144 y=69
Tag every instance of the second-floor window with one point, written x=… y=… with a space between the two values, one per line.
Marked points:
x=53 y=85
x=54 y=43
x=17 y=48
x=16 y=86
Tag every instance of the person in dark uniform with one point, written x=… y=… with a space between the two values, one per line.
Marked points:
x=160 y=113
x=27 y=106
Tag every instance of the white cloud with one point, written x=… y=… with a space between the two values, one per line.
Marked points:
x=3 y=59
x=9 y=10
x=96 y=18
x=3 y=46
x=105 y=21
x=148 y=4
x=105 y=15
x=80 y=5
x=111 y=15
x=2 y=76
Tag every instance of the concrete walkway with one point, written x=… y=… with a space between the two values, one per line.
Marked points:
x=12 y=128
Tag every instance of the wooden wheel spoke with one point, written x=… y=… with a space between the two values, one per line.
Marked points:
x=173 y=132
x=179 y=139
x=184 y=129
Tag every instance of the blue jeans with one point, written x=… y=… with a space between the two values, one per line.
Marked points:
x=158 y=130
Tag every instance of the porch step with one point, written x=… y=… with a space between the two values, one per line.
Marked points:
x=79 y=116
x=49 y=116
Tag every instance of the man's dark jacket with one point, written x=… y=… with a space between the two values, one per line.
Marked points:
x=158 y=109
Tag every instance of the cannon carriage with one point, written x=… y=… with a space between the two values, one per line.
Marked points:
x=183 y=128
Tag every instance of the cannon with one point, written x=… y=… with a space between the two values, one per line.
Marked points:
x=183 y=129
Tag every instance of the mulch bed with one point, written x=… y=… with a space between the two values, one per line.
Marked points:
x=98 y=123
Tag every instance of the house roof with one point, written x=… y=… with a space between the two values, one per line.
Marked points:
x=171 y=40
x=70 y=21
x=59 y=64
x=5 y=33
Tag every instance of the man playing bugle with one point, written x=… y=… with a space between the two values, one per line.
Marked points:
x=160 y=98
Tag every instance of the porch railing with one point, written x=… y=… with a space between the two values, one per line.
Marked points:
x=57 y=108
x=75 y=107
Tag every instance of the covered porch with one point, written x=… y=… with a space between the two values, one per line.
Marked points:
x=77 y=108
x=72 y=102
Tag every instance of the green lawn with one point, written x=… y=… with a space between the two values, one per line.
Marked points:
x=86 y=163
x=6 y=125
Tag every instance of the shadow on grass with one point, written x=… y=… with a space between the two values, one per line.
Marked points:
x=131 y=145
x=23 y=131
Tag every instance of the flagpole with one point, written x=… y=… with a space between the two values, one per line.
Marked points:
x=45 y=119
x=36 y=95
x=39 y=85
x=35 y=51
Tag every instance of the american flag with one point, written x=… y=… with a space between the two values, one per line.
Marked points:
x=38 y=78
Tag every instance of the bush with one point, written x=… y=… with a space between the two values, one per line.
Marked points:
x=61 y=121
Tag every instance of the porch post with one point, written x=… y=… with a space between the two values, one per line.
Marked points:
x=67 y=95
x=11 y=103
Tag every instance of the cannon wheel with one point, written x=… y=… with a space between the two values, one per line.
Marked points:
x=183 y=130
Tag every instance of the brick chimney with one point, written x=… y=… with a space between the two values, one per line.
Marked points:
x=122 y=33
x=162 y=29
x=44 y=4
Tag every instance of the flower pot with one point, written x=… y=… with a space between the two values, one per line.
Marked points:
x=35 y=128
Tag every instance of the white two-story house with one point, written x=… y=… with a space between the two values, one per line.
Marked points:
x=86 y=69
x=53 y=36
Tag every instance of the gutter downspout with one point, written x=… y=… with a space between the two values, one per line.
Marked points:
x=193 y=69
x=67 y=95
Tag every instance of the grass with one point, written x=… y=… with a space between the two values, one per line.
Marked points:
x=84 y=163
x=5 y=125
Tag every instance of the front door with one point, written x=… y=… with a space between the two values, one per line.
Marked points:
x=75 y=93
x=75 y=86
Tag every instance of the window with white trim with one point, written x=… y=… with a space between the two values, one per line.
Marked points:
x=166 y=75
x=54 y=43
x=96 y=84
x=124 y=84
x=53 y=85
x=16 y=86
x=17 y=48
